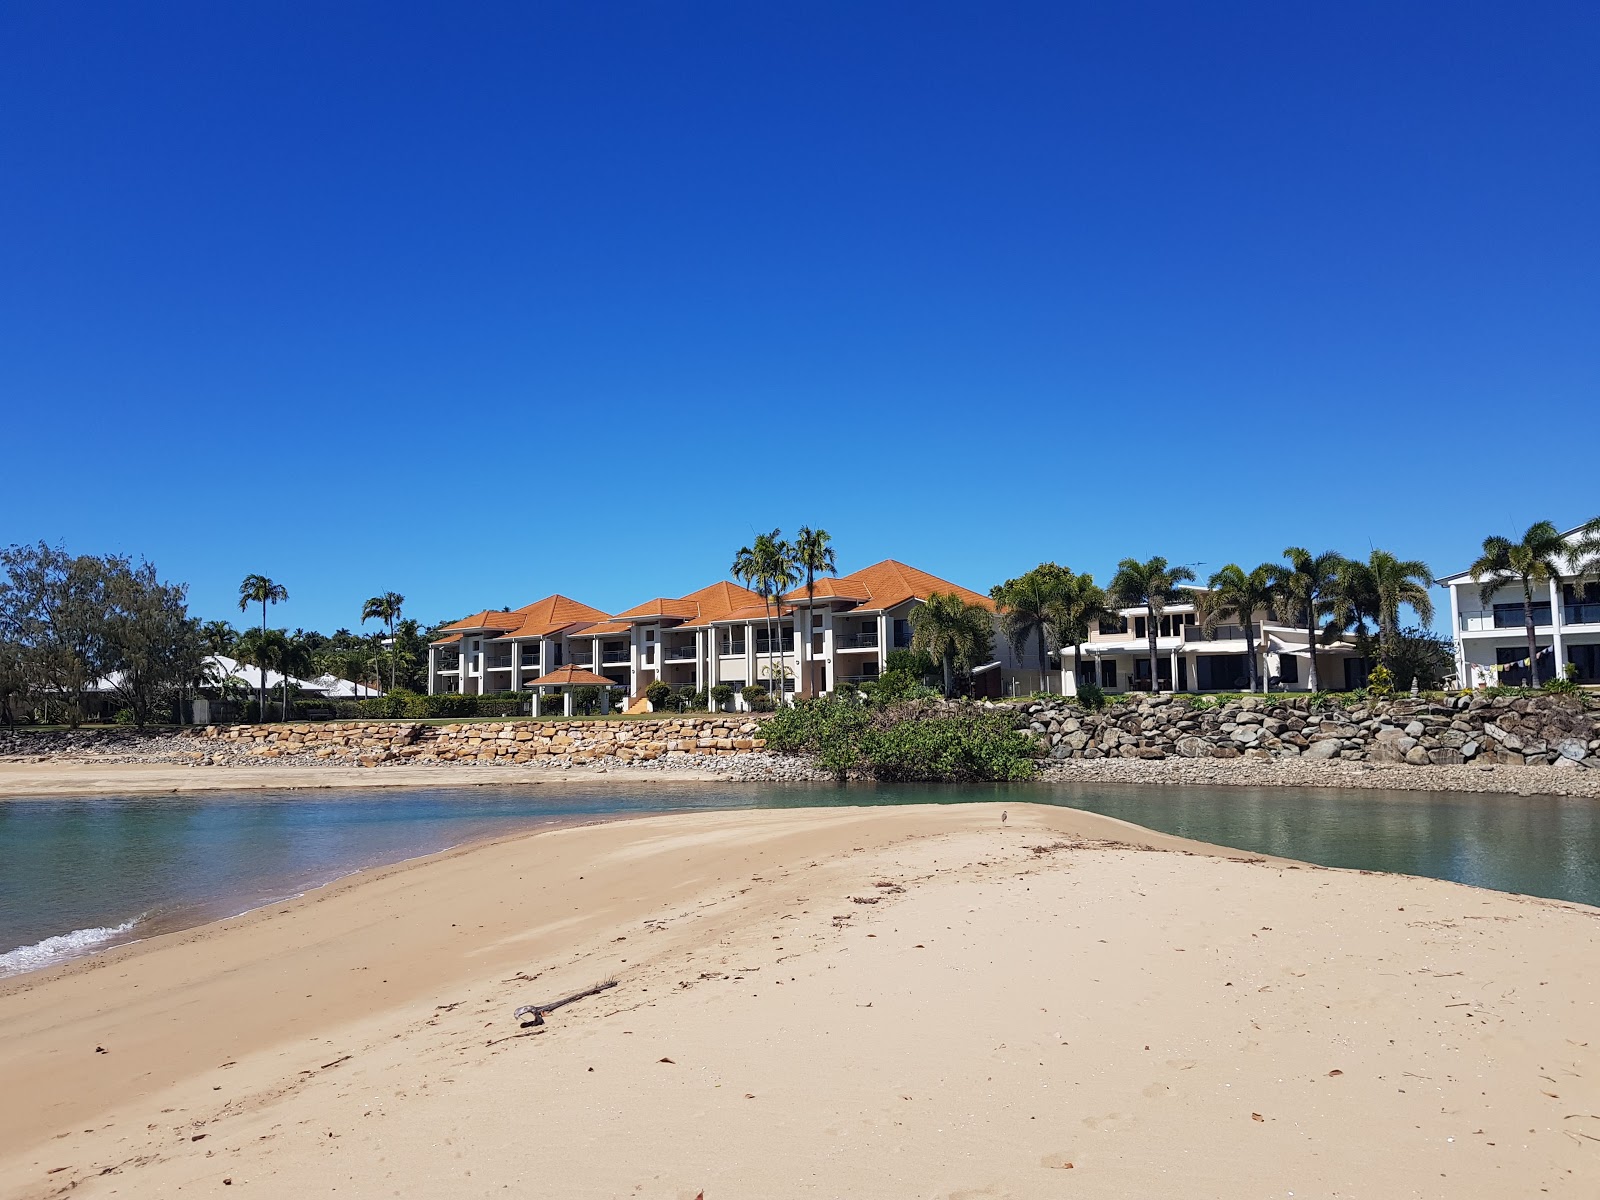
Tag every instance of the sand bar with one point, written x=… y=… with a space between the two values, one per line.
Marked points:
x=1017 y=1010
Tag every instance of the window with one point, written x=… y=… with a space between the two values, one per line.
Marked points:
x=1108 y=672
x=1139 y=627
x=1113 y=625
x=1288 y=669
x=1587 y=660
x=816 y=620
x=902 y=633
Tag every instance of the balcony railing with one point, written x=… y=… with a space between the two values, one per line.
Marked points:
x=766 y=647
x=1580 y=614
x=453 y=663
x=499 y=663
x=679 y=653
x=616 y=656
x=530 y=660
x=856 y=641
x=582 y=658
x=1222 y=633
x=1506 y=616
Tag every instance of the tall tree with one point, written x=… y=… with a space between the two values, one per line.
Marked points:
x=1307 y=587
x=53 y=608
x=953 y=632
x=385 y=608
x=769 y=567
x=813 y=554
x=294 y=664
x=1080 y=606
x=1532 y=562
x=218 y=638
x=156 y=647
x=266 y=650
x=1029 y=606
x=1374 y=590
x=258 y=589
x=1152 y=584
x=1241 y=594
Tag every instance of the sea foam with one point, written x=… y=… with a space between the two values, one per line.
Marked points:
x=58 y=949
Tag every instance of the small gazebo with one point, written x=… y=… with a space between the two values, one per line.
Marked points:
x=567 y=678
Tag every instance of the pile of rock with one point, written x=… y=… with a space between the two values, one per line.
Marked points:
x=1541 y=730
x=552 y=743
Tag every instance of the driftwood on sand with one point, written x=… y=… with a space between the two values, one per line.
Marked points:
x=538 y=1011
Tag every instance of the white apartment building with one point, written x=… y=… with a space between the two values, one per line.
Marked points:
x=1189 y=660
x=721 y=634
x=1491 y=636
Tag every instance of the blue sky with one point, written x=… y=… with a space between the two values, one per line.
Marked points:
x=479 y=303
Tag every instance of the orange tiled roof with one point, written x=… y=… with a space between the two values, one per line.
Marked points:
x=833 y=589
x=488 y=619
x=454 y=637
x=754 y=612
x=661 y=606
x=715 y=602
x=553 y=614
x=890 y=583
x=600 y=629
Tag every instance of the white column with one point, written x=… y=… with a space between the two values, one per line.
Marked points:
x=750 y=654
x=1173 y=655
x=1559 y=666
x=883 y=642
x=433 y=668
x=1463 y=680
x=566 y=701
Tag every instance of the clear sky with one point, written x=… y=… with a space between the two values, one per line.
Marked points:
x=481 y=302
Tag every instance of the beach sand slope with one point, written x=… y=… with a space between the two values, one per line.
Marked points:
x=911 y=1002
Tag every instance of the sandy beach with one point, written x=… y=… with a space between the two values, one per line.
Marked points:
x=859 y=1002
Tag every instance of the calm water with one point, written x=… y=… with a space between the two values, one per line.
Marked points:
x=80 y=875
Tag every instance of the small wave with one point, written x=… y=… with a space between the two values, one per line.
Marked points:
x=58 y=949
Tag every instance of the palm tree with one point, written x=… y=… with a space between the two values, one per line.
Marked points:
x=385 y=608
x=258 y=589
x=1530 y=563
x=218 y=638
x=1241 y=594
x=266 y=650
x=1153 y=584
x=1583 y=558
x=953 y=631
x=768 y=566
x=1307 y=587
x=1377 y=588
x=295 y=661
x=1028 y=606
x=813 y=554
x=1080 y=605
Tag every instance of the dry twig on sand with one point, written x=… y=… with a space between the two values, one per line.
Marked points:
x=538 y=1011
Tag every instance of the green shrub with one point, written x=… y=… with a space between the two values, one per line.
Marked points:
x=123 y=716
x=912 y=742
x=552 y=706
x=659 y=694
x=1380 y=684
x=586 y=699
x=722 y=694
x=1091 y=695
x=757 y=697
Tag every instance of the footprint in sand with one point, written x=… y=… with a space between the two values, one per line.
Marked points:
x=983 y=1193
x=1156 y=1090
x=1109 y=1122
x=1058 y=1162
x=1183 y=1064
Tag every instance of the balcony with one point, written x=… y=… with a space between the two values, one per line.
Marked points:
x=616 y=656
x=581 y=658
x=451 y=664
x=498 y=662
x=764 y=648
x=530 y=660
x=732 y=650
x=1506 y=616
x=1580 y=614
x=1222 y=633
x=856 y=641
x=681 y=653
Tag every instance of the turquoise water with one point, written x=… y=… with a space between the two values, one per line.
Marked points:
x=80 y=875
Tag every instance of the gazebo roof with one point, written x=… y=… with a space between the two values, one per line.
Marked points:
x=571 y=676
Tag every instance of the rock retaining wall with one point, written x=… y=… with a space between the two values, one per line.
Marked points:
x=554 y=742
x=1543 y=730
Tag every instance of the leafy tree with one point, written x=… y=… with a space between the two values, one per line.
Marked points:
x=258 y=589
x=1029 y=606
x=1307 y=587
x=155 y=646
x=1241 y=594
x=1420 y=655
x=53 y=610
x=769 y=567
x=954 y=632
x=385 y=608
x=1529 y=564
x=1153 y=584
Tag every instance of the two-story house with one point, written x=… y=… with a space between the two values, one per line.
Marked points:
x=1491 y=635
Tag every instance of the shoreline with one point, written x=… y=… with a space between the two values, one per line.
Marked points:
x=781 y=976
x=62 y=779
